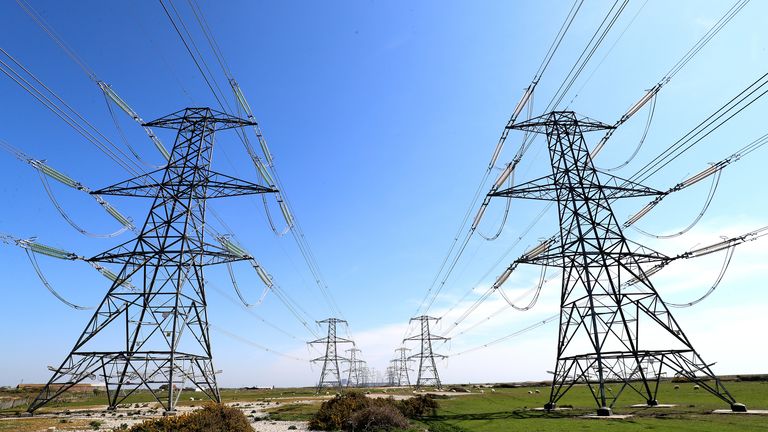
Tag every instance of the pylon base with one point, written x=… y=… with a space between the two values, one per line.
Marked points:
x=604 y=411
x=738 y=407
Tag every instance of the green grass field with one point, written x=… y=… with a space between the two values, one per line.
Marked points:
x=509 y=410
x=513 y=409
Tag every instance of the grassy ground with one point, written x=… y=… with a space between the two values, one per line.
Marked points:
x=504 y=409
x=507 y=410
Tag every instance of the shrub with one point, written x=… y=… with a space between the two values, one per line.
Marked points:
x=378 y=417
x=418 y=406
x=211 y=418
x=334 y=413
x=354 y=411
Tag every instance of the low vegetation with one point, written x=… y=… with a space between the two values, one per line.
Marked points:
x=353 y=411
x=210 y=418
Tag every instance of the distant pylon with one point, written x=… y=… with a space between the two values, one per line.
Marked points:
x=400 y=367
x=427 y=368
x=331 y=373
x=355 y=376
x=390 y=375
x=134 y=339
x=607 y=296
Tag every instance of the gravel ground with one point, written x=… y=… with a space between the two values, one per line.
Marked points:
x=137 y=413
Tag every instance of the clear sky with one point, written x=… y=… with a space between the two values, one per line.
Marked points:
x=382 y=116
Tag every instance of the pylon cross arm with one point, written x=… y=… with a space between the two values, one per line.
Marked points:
x=214 y=185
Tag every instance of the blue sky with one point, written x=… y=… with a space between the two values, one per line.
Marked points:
x=382 y=117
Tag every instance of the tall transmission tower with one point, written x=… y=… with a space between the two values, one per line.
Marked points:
x=355 y=377
x=134 y=339
x=427 y=368
x=607 y=296
x=331 y=373
x=400 y=367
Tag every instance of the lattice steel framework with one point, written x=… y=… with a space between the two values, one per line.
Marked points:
x=355 y=376
x=330 y=376
x=400 y=367
x=606 y=296
x=390 y=376
x=428 y=374
x=134 y=339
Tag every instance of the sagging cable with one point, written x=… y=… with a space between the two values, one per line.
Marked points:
x=726 y=243
x=505 y=215
x=723 y=269
x=712 y=169
x=240 y=251
x=69 y=220
x=287 y=301
x=710 y=196
x=33 y=260
x=112 y=95
x=535 y=297
x=506 y=175
x=124 y=138
x=254 y=344
x=511 y=335
x=730 y=13
x=271 y=221
x=649 y=95
x=503 y=308
x=640 y=143
x=518 y=109
x=706 y=250
x=236 y=286
x=42 y=167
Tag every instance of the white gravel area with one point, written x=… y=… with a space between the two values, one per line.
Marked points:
x=113 y=421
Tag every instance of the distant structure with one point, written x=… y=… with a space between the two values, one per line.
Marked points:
x=134 y=339
x=390 y=376
x=427 y=375
x=607 y=297
x=330 y=376
x=355 y=373
x=400 y=368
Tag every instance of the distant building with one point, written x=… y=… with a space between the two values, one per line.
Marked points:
x=77 y=388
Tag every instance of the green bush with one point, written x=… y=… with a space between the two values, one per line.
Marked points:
x=354 y=411
x=335 y=414
x=211 y=418
x=378 y=417
x=418 y=406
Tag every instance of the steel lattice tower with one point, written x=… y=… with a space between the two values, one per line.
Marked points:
x=606 y=294
x=331 y=373
x=400 y=367
x=390 y=375
x=355 y=377
x=427 y=368
x=134 y=339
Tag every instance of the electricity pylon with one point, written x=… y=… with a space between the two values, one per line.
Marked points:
x=134 y=339
x=331 y=373
x=390 y=375
x=400 y=368
x=427 y=368
x=355 y=376
x=606 y=297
